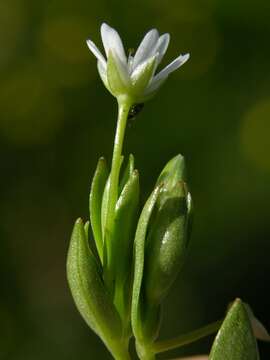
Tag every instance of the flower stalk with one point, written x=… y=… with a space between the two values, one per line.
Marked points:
x=124 y=105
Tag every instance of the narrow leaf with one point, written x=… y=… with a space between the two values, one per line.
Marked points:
x=95 y=201
x=139 y=248
x=127 y=173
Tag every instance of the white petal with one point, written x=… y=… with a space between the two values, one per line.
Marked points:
x=162 y=46
x=112 y=41
x=92 y=46
x=146 y=48
x=154 y=85
x=171 y=67
x=102 y=72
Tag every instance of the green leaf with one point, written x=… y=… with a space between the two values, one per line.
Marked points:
x=104 y=205
x=126 y=214
x=95 y=201
x=88 y=291
x=137 y=310
x=127 y=173
x=235 y=339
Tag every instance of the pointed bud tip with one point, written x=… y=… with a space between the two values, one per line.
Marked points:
x=102 y=160
x=79 y=221
x=258 y=328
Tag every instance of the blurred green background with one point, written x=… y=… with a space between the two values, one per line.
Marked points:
x=56 y=119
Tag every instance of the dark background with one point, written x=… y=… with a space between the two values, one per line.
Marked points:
x=56 y=119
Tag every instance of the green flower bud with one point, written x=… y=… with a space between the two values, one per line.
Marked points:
x=166 y=244
x=160 y=249
x=90 y=295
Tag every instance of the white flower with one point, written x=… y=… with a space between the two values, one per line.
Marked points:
x=133 y=76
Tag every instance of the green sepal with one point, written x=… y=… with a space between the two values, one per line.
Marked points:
x=117 y=76
x=88 y=290
x=141 y=78
x=166 y=244
x=235 y=339
x=95 y=202
x=138 y=301
x=126 y=215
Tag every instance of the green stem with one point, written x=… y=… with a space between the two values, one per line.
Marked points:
x=122 y=355
x=162 y=346
x=145 y=352
x=120 y=350
x=124 y=104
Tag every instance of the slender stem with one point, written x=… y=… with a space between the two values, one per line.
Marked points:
x=162 y=346
x=124 y=105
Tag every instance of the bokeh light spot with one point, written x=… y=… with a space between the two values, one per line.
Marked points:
x=255 y=137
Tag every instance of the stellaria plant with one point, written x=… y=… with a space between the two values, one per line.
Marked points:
x=120 y=279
